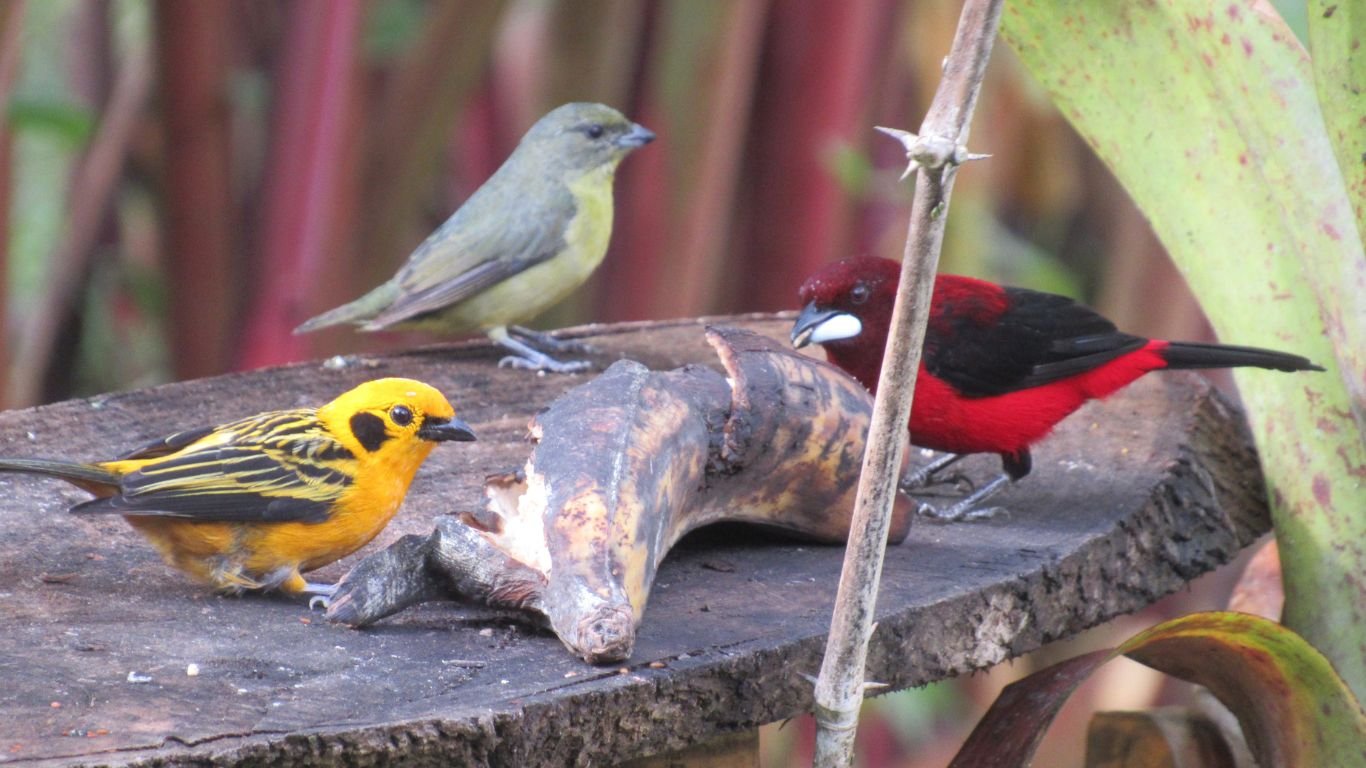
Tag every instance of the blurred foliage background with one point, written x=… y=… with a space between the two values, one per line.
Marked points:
x=185 y=181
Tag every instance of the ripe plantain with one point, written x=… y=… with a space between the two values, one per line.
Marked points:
x=623 y=467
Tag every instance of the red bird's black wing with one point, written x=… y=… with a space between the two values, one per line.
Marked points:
x=1035 y=339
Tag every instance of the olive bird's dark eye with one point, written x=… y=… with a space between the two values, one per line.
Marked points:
x=859 y=293
x=594 y=131
x=401 y=415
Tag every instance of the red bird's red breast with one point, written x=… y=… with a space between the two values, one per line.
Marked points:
x=1010 y=423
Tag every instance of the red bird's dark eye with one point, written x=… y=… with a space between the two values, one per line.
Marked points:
x=401 y=415
x=859 y=293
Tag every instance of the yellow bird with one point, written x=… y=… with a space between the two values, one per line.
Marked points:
x=253 y=503
x=531 y=234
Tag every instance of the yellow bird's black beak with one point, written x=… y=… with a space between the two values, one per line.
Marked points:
x=638 y=136
x=438 y=430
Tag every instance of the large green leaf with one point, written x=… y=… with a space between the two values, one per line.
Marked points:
x=1292 y=706
x=1336 y=32
x=1207 y=113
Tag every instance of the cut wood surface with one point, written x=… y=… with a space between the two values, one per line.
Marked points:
x=1131 y=498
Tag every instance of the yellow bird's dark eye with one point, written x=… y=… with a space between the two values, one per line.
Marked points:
x=401 y=415
x=594 y=131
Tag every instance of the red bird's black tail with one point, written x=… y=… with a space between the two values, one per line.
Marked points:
x=1184 y=354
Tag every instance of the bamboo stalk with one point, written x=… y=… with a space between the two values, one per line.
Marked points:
x=194 y=58
x=315 y=88
x=706 y=220
x=430 y=87
x=937 y=152
x=93 y=187
x=11 y=41
x=792 y=217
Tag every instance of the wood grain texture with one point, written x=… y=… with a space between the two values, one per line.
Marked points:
x=1130 y=499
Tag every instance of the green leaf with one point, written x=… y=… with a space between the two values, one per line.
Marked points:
x=1336 y=31
x=1292 y=706
x=69 y=123
x=390 y=28
x=1208 y=115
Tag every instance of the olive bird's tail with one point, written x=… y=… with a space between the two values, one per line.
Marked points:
x=358 y=311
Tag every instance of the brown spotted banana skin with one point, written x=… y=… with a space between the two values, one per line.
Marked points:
x=624 y=466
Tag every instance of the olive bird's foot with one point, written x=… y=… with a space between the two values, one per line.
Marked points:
x=968 y=508
x=549 y=342
x=543 y=362
x=529 y=358
x=321 y=594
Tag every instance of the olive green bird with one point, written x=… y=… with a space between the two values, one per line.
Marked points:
x=533 y=232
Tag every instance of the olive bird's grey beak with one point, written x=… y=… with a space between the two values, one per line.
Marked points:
x=638 y=136
x=439 y=430
x=818 y=326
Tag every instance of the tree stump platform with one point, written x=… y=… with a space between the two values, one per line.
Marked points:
x=1128 y=501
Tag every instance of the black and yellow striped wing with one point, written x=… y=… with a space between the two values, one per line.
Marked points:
x=275 y=467
x=169 y=444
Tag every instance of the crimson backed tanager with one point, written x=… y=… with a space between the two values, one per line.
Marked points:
x=1000 y=366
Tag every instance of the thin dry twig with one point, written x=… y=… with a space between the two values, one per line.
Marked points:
x=93 y=189
x=11 y=41
x=936 y=153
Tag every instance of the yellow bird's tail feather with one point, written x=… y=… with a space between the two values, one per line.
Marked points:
x=87 y=476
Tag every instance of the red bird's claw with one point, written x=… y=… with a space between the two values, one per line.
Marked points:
x=960 y=482
x=926 y=474
x=959 y=512
x=931 y=512
x=986 y=513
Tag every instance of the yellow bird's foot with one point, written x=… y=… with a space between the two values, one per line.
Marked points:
x=321 y=594
x=228 y=579
x=291 y=582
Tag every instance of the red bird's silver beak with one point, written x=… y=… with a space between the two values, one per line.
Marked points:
x=819 y=326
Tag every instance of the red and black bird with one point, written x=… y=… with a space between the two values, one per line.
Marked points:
x=1001 y=366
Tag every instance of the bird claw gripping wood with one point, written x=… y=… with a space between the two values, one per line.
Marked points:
x=623 y=467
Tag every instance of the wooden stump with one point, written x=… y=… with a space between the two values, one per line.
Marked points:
x=99 y=634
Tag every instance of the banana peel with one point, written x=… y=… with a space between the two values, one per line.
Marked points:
x=623 y=467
